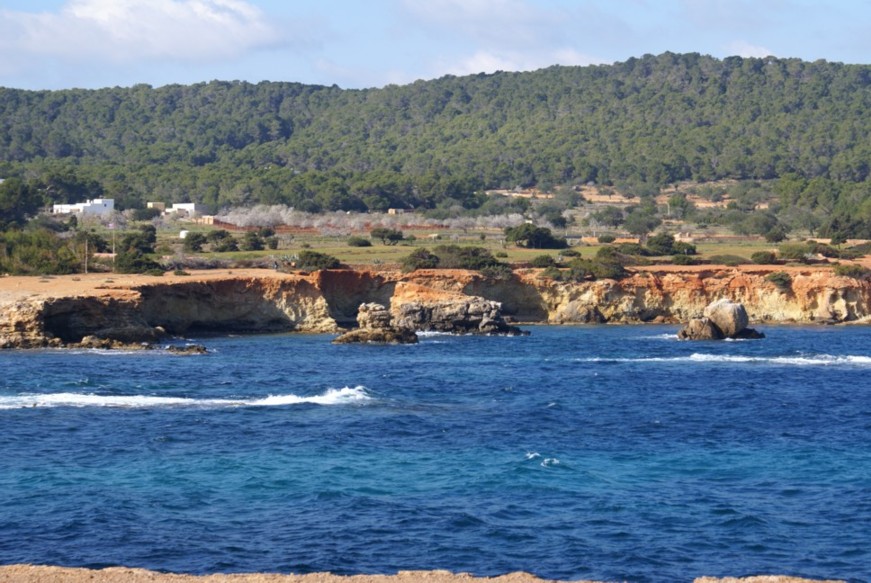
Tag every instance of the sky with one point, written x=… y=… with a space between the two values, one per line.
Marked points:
x=61 y=44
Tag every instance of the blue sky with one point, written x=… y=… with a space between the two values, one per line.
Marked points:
x=56 y=44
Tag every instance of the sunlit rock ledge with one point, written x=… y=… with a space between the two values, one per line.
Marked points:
x=62 y=310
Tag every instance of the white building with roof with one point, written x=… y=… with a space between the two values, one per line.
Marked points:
x=95 y=207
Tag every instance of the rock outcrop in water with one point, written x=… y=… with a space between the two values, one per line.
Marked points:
x=425 y=310
x=722 y=319
x=62 y=311
x=376 y=327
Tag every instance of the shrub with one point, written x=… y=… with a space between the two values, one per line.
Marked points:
x=194 y=242
x=823 y=249
x=552 y=272
x=581 y=269
x=225 y=245
x=763 y=258
x=684 y=260
x=661 y=244
x=781 y=279
x=498 y=271
x=359 y=242
x=313 y=261
x=543 y=261
x=456 y=257
x=615 y=255
x=568 y=253
x=420 y=259
x=683 y=248
x=728 y=260
x=852 y=270
x=634 y=249
x=134 y=261
x=252 y=241
x=795 y=252
x=606 y=239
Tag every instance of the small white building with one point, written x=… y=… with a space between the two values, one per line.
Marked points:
x=95 y=207
x=185 y=209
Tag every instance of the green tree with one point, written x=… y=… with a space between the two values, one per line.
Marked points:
x=387 y=236
x=640 y=222
x=252 y=241
x=193 y=242
x=532 y=237
x=18 y=201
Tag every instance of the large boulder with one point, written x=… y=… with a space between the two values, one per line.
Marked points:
x=730 y=317
x=700 y=329
x=722 y=319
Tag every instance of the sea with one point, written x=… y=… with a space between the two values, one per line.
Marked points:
x=612 y=453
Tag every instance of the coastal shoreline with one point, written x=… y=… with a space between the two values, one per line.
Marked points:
x=51 y=574
x=90 y=310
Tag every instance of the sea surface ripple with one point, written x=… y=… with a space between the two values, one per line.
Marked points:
x=607 y=453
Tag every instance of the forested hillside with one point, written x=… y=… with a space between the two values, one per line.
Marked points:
x=645 y=123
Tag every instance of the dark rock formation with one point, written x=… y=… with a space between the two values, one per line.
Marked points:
x=187 y=349
x=722 y=319
x=465 y=315
x=700 y=329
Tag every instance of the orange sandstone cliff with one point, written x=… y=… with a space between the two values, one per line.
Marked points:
x=60 y=311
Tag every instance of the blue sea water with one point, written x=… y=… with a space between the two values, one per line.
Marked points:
x=608 y=453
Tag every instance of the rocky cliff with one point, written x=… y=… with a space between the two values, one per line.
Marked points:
x=36 y=313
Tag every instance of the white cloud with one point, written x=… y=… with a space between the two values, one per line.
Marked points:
x=128 y=30
x=517 y=60
x=745 y=49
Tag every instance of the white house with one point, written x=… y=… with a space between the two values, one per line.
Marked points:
x=189 y=209
x=95 y=207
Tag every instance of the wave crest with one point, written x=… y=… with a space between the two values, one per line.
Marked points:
x=798 y=360
x=344 y=396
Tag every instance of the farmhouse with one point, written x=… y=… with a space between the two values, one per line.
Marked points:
x=187 y=209
x=95 y=207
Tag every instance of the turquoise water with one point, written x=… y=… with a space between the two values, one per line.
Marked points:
x=610 y=453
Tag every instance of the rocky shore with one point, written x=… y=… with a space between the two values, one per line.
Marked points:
x=38 y=574
x=135 y=309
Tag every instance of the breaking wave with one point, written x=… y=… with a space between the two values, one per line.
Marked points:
x=344 y=396
x=798 y=360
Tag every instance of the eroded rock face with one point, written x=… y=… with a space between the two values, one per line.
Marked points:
x=466 y=315
x=376 y=326
x=372 y=315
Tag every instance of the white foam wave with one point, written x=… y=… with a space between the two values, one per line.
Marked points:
x=800 y=360
x=344 y=396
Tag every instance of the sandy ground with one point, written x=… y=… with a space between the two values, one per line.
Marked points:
x=14 y=288
x=107 y=284
x=32 y=574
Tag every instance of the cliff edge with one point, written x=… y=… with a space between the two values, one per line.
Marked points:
x=62 y=310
